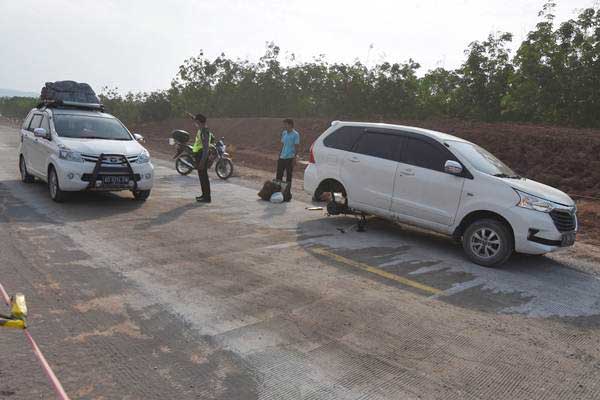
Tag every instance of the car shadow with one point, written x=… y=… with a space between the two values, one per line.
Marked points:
x=537 y=286
x=27 y=200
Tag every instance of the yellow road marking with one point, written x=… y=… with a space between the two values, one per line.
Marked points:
x=376 y=271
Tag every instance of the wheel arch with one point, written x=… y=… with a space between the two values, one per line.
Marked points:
x=329 y=184
x=478 y=215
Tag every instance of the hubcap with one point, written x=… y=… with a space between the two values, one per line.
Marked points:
x=485 y=243
x=53 y=184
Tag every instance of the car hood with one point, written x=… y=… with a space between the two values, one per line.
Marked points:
x=95 y=147
x=540 y=190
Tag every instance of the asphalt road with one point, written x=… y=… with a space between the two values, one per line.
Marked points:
x=243 y=299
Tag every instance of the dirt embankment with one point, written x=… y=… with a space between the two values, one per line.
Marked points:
x=566 y=158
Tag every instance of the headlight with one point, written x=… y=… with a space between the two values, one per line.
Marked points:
x=143 y=158
x=534 y=203
x=69 y=155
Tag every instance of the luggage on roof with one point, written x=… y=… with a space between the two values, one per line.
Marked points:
x=69 y=91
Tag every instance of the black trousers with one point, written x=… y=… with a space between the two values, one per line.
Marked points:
x=285 y=165
x=204 y=181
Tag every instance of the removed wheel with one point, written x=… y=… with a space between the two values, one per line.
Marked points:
x=54 y=187
x=488 y=242
x=25 y=176
x=141 y=195
x=224 y=168
x=185 y=164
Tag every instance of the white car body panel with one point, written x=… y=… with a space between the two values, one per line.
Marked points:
x=432 y=199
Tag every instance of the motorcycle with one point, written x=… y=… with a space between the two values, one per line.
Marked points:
x=185 y=160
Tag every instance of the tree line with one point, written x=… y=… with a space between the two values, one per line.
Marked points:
x=553 y=77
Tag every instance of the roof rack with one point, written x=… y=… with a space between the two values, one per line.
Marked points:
x=70 y=104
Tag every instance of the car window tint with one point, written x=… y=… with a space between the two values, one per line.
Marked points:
x=344 y=138
x=36 y=121
x=426 y=155
x=379 y=145
x=46 y=124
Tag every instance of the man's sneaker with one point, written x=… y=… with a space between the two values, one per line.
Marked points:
x=202 y=199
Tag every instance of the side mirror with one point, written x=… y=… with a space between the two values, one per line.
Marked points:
x=138 y=137
x=41 y=132
x=453 y=167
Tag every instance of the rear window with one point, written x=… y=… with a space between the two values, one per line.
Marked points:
x=344 y=138
x=379 y=145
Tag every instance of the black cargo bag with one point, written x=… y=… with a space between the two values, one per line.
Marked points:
x=268 y=189
x=69 y=91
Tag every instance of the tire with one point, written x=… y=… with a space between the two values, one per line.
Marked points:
x=141 y=195
x=25 y=176
x=488 y=242
x=224 y=168
x=183 y=162
x=56 y=193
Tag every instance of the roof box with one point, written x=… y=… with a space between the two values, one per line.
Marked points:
x=69 y=93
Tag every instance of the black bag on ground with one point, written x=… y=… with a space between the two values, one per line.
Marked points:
x=268 y=189
x=69 y=91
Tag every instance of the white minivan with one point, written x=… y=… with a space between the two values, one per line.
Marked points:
x=443 y=183
x=79 y=147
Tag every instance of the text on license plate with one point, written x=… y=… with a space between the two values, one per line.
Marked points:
x=115 y=180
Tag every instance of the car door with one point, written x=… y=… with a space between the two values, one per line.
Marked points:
x=423 y=192
x=43 y=148
x=32 y=143
x=370 y=169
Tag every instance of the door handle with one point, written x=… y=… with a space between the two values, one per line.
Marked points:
x=408 y=172
x=354 y=159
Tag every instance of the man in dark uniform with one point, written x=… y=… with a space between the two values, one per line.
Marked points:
x=201 y=148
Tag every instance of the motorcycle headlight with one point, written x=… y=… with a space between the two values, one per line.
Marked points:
x=534 y=203
x=144 y=158
x=70 y=155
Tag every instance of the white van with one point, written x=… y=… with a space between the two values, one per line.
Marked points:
x=79 y=147
x=443 y=183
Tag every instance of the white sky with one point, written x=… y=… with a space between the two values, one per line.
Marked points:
x=139 y=44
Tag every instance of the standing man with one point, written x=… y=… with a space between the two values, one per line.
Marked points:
x=290 y=140
x=200 y=149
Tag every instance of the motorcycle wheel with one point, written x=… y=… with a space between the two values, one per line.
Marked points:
x=184 y=164
x=224 y=168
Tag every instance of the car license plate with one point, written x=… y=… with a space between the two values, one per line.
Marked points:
x=115 y=180
x=568 y=239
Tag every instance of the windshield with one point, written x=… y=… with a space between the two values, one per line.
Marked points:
x=90 y=127
x=482 y=160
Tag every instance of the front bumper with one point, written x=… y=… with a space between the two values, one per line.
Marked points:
x=311 y=179
x=75 y=177
x=536 y=232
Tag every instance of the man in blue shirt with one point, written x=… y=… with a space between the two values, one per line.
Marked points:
x=290 y=140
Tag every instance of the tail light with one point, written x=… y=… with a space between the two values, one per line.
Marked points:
x=312 y=154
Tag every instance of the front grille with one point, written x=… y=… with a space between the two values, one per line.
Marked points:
x=564 y=220
x=110 y=160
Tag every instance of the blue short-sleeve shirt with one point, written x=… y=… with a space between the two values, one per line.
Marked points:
x=289 y=140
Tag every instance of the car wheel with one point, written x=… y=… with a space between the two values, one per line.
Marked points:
x=54 y=187
x=488 y=242
x=141 y=195
x=25 y=176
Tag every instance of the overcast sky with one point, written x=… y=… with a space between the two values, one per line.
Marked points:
x=139 y=44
